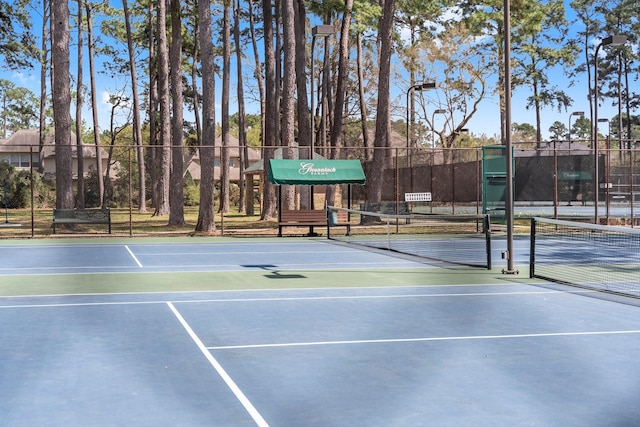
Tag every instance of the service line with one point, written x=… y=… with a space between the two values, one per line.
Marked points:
x=133 y=256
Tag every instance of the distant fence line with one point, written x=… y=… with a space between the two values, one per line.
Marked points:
x=556 y=174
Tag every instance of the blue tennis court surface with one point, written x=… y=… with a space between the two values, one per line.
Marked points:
x=512 y=352
x=150 y=257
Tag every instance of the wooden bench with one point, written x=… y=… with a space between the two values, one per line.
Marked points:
x=81 y=216
x=310 y=218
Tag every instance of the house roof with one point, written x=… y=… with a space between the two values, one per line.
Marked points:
x=23 y=140
x=234 y=148
x=195 y=171
x=26 y=139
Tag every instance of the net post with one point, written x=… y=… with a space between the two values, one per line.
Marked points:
x=389 y=232
x=327 y=212
x=487 y=236
x=532 y=245
x=31 y=187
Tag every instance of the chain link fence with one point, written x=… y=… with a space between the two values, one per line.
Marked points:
x=555 y=180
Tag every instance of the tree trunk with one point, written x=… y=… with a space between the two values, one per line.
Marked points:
x=343 y=61
x=288 y=94
x=304 y=125
x=375 y=174
x=113 y=132
x=61 y=96
x=270 y=115
x=363 y=102
x=257 y=64
x=194 y=83
x=326 y=99
x=176 y=192
x=206 y=221
x=137 y=127
x=43 y=82
x=154 y=152
x=162 y=207
x=79 y=103
x=226 y=78
x=94 y=104
x=278 y=71
x=243 y=150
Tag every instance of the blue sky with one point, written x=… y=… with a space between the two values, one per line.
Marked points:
x=487 y=121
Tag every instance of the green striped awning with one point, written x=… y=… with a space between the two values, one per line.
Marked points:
x=315 y=172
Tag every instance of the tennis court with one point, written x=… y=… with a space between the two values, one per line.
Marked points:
x=301 y=332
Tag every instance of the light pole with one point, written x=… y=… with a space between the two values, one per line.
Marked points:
x=419 y=88
x=575 y=113
x=508 y=205
x=614 y=40
x=317 y=31
x=570 y=165
x=608 y=130
x=606 y=166
x=433 y=128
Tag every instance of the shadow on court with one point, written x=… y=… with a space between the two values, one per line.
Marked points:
x=274 y=272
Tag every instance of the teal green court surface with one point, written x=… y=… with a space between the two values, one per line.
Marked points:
x=300 y=332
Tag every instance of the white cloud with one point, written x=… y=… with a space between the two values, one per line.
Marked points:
x=106 y=97
x=21 y=79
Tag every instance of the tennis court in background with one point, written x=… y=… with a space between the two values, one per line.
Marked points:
x=301 y=332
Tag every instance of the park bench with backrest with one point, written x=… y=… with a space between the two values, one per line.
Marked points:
x=81 y=216
x=310 y=218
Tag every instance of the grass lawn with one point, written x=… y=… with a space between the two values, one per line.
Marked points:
x=17 y=223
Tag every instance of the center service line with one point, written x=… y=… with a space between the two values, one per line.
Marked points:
x=223 y=374
x=133 y=256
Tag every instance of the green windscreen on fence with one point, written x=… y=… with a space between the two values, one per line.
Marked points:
x=494 y=179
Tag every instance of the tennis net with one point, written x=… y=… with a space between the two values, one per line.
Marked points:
x=456 y=239
x=587 y=255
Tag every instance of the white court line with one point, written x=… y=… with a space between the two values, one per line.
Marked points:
x=389 y=296
x=223 y=374
x=226 y=252
x=209 y=268
x=133 y=256
x=408 y=340
x=171 y=296
x=278 y=290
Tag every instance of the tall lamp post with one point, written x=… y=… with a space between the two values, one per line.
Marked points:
x=614 y=40
x=508 y=205
x=433 y=128
x=575 y=113
x=607 y=184
x=317 y=31
x=570 y=165
x=417 y=87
